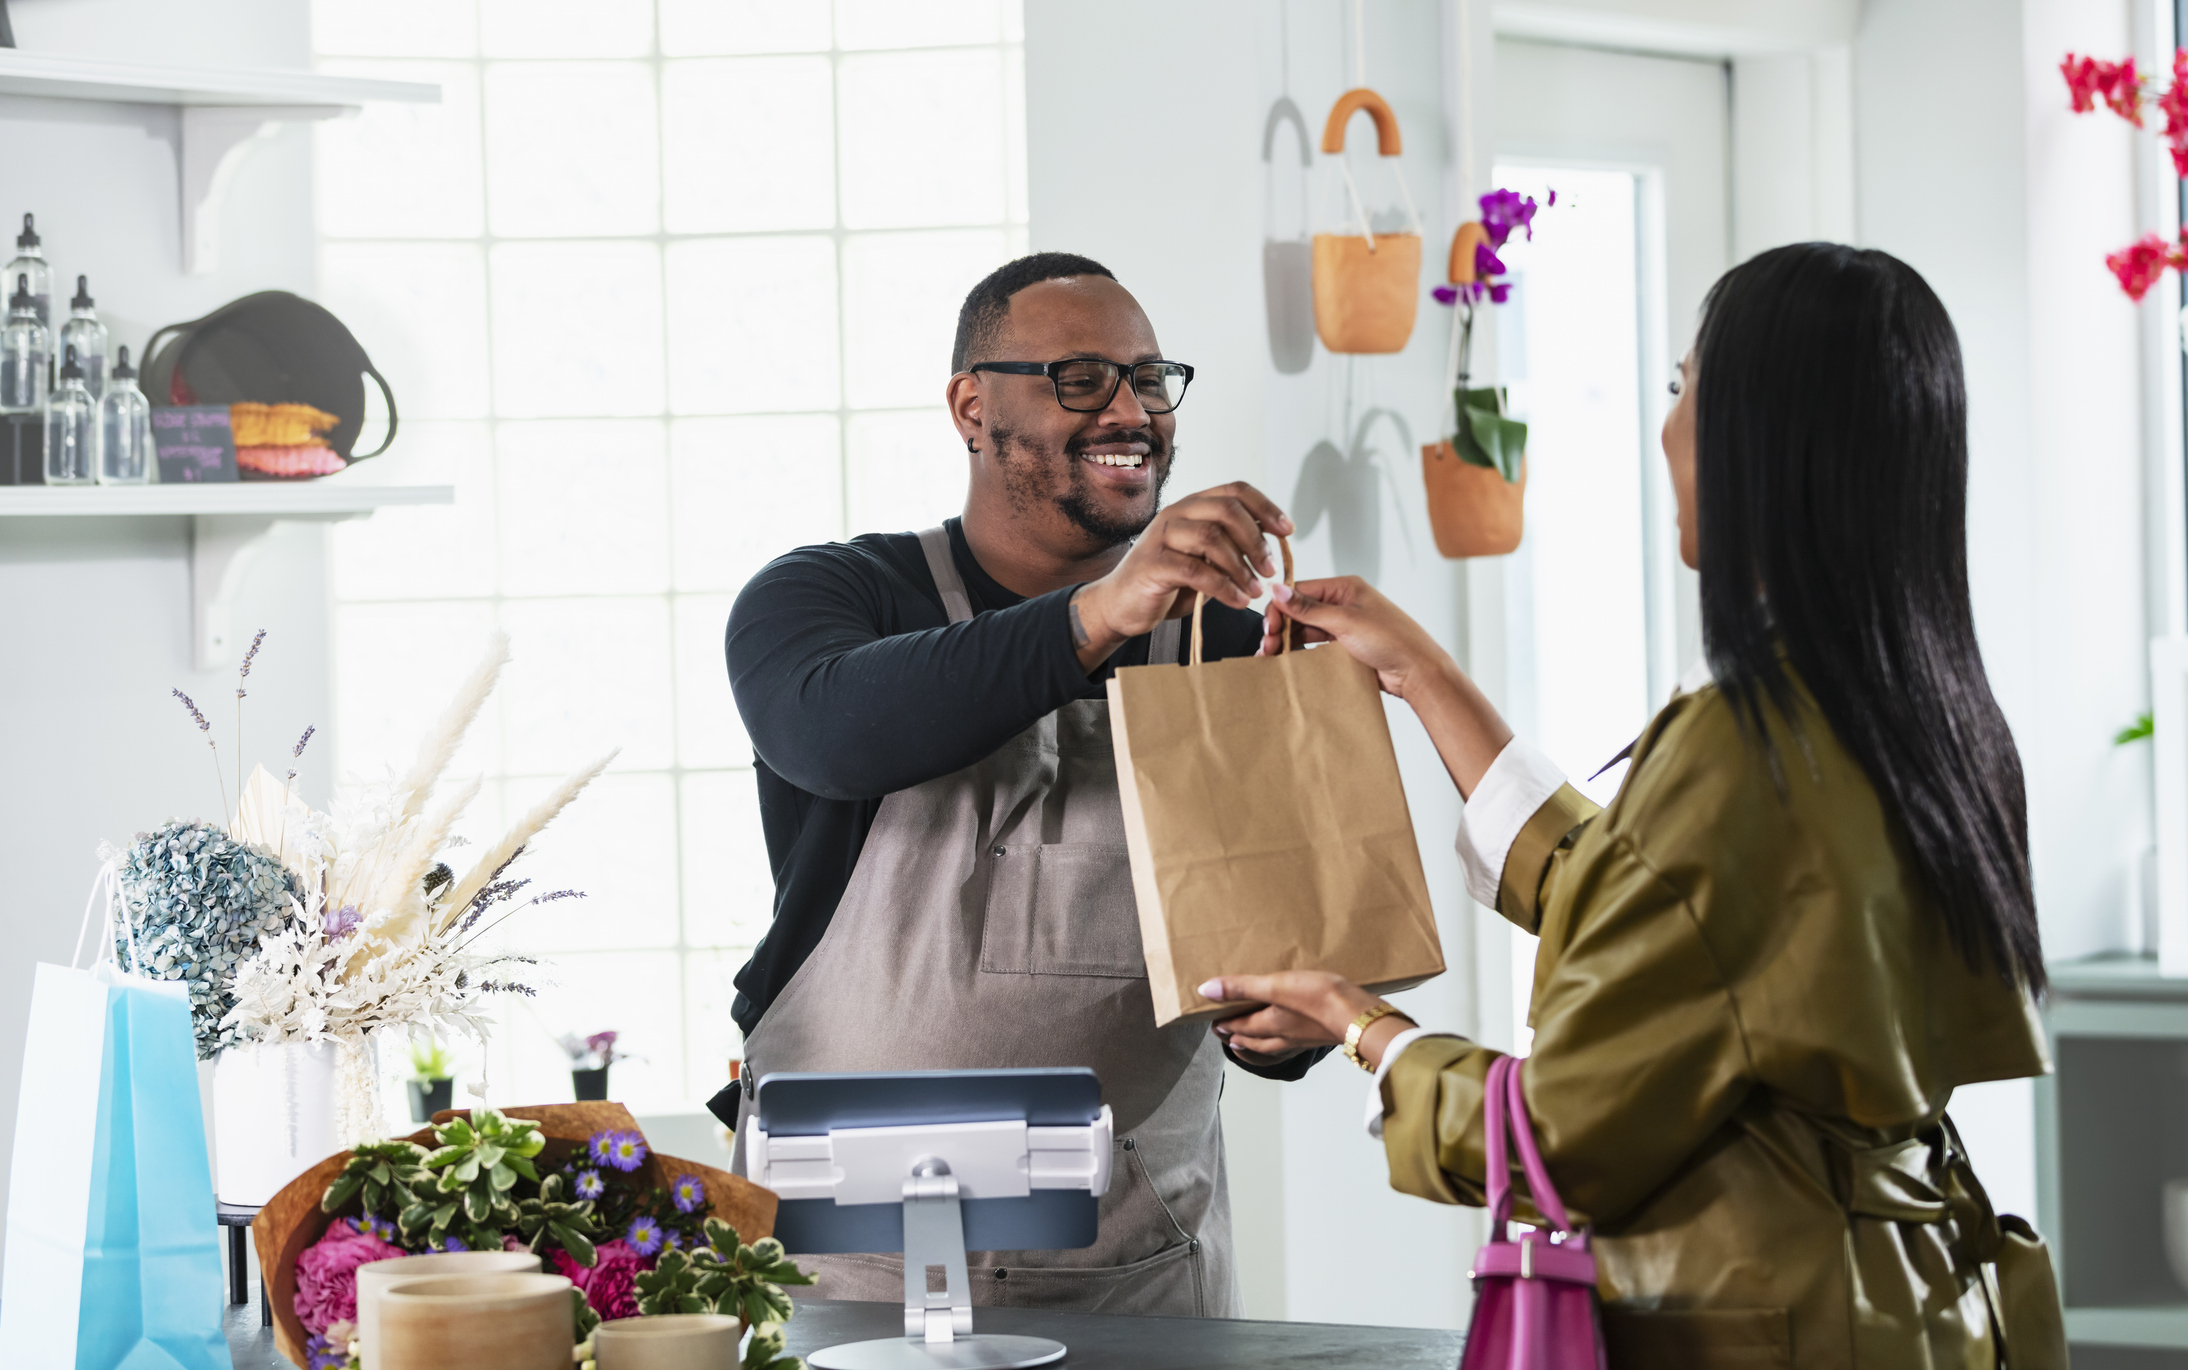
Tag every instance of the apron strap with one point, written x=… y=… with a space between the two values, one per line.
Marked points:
x=1164 y=643
x=942 y=565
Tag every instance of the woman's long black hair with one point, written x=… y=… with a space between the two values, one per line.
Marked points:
x=1831 y=454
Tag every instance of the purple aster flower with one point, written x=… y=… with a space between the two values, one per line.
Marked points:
x=452 y=1244
x=588 y=1185
x=322 y=1354
x=626 y=1151
x=597 y=1145
x=1445 y=294
x=689 y=1192
x=644 y=1235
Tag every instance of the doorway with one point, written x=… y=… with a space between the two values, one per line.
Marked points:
x=1602 y=618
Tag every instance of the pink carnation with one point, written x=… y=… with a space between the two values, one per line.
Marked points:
x=326 y=1275
x=607 y=1286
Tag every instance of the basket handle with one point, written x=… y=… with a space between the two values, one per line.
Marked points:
x=1283 y=639
x=1470 y=235
x=1351 y=103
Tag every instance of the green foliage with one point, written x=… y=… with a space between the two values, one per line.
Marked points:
x=480 y=1162
x=765 y=1352
x=432 y=1061
x=2143 y=726
x=549 y=1220
x=383 y=1174
x=587 y=1320
x=1486 y=437
x=724 y=1276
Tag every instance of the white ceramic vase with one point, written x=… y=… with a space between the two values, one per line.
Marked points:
x=273 y=1117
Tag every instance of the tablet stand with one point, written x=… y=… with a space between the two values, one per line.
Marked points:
x=952 y=1149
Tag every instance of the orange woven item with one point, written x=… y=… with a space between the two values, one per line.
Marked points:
x=1474 y=510
x=279 y=425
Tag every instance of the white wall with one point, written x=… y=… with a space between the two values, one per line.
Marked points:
x=1185 y=233
x=94 y=613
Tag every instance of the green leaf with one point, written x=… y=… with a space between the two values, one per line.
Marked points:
x=503 y=1179
x=489 y=1155
x=469 y=1170
x=457 y=1131
x=477 y=1204
x=576 y=1243
x=2143 y=726
x=524 y=1167
x=1485 y=437
x=434 y=1160
x=340 y=1192
x=532 y=1143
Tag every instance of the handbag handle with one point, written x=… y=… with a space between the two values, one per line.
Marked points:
x=1283 y=639
x=1504 y=1105
x=1387 y=142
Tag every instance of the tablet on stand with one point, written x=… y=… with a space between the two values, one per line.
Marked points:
x=933 y=1163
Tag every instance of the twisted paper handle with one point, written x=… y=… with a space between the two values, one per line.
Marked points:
x=1284 y=639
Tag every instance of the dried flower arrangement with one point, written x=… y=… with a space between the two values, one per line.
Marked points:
x=296 y=926
x=596 y=1052
x=628 y=1249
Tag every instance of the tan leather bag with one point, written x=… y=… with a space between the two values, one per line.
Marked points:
x=1367 y=285
x=1474 y=510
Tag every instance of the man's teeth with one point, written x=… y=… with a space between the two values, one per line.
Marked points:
x=1116 y=458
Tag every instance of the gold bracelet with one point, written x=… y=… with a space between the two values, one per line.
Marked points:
x=1360 y=1025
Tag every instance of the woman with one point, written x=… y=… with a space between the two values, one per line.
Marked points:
x=1807 y=915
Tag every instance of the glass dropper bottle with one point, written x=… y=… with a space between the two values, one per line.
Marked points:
x=87 y=335
x=30 y=264
x=25 y=351
x=72 y=429
x=125 y=428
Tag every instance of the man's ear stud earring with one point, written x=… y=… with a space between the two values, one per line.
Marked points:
x=969 y=447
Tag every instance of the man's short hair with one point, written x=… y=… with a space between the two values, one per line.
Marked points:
x=987 y=308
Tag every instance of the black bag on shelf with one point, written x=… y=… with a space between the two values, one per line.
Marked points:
x=269 y=348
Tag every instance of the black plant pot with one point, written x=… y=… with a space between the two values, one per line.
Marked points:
x=428 y=1097
x=590 y=1084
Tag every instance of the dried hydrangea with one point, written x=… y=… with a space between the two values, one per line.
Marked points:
x=197 y=902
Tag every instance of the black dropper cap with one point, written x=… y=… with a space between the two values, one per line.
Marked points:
x=22 y=298
x=29 y=236
x=123 y=371
x=83 y=298
x=70 y=371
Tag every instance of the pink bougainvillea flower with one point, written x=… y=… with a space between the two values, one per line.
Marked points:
x=326 y=1275
x=606 y=1284
x=2139 y=265
x=2118 y=84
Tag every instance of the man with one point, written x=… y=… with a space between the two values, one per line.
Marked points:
x=940 y=796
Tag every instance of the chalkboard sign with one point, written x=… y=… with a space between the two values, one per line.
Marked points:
x=196 y=444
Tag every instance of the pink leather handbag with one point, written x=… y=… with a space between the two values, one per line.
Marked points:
x=1534 y=1299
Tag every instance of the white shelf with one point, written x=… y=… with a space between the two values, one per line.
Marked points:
x=228 y=525
x=316 y=499
x=223 y=113
x=92 y=78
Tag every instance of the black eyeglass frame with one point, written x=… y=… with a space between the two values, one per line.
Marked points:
x=1048 y=369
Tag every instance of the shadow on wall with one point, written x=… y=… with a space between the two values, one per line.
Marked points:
x=1346 y=487
x=1287 y=264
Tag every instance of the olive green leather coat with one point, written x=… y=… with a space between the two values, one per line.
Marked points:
x=1748 y=1022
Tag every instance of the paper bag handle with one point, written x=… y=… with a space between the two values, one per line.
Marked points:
x=1283 y=639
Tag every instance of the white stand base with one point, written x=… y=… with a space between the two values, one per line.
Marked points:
x=979 y=1351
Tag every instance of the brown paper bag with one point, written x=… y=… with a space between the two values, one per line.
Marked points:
x=1266 y=824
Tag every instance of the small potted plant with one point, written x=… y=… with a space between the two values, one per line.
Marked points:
x=431 y=1080
x=590 y=1058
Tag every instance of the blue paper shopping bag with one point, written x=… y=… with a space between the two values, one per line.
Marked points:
x=113 y=1256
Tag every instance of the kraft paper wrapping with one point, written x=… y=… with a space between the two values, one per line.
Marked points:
x=291 y=1220
x=1267 y=826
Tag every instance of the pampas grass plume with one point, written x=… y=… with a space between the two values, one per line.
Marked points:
x=456 y=720
x=528 y=827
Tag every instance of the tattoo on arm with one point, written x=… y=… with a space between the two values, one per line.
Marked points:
x=1079 y=635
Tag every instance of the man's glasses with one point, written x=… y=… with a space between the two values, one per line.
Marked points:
x=1086 y=385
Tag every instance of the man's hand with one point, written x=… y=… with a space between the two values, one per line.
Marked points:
x=1212 y=543
x=1304 y=1009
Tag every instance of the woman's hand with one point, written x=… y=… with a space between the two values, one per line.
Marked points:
x=1407 y=661
x=1355 y=615
x=1305 y=1008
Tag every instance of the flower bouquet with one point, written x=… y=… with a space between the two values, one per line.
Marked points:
x=636 y=1232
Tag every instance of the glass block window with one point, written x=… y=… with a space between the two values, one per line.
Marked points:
x=664 y=288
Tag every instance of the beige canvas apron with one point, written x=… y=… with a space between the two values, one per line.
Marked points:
x=990 y=923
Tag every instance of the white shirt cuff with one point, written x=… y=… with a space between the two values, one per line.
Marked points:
x=1390 y=1053
x=1515 y=786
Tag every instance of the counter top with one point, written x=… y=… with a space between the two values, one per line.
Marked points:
x=1097 y=1341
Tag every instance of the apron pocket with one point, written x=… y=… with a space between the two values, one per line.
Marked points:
x=1062 y=908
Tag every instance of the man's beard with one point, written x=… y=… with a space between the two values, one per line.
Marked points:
x=1025 y=476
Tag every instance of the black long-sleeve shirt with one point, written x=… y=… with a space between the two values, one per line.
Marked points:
x=853 y=683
